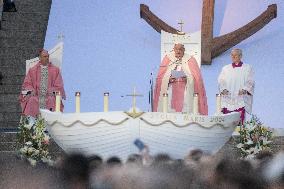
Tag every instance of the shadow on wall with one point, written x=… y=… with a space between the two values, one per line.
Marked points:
x=1 y=77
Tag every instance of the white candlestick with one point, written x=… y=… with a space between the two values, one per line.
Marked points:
x=218 y=104
x=165 y=102
x=106 y=95
x=77 y=102
x=57 y=102
x=195 y=103
x=134 y=99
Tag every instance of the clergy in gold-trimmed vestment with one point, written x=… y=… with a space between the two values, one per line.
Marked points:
x=180 y=89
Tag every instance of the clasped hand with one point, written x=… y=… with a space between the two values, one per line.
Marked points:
x=241 y=92
x=225 y=92
x=173 y=79
x=28 y=93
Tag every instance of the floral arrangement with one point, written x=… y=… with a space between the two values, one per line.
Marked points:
x=34 y=140
x=254 y=137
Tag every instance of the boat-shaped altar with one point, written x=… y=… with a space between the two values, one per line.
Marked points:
x=113 y=133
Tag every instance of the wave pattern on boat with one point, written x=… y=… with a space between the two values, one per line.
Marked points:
x=113 y=133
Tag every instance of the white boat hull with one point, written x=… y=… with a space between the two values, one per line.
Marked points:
x=113 y=133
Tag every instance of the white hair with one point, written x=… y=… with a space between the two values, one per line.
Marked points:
x=179 y=44
x=239 y=51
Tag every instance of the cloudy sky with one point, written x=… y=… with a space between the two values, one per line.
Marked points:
x=109 y=48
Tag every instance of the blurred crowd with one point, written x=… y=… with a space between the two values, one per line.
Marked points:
x=197 y=170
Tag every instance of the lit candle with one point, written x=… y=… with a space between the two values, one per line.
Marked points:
x=57 y=101
x=218 y=104
x=77 y=101
x=106 y=95
x=165 y=102
x=195 y=103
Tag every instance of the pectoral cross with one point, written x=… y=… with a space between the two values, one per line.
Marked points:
x=134 y=95
x=181 y=23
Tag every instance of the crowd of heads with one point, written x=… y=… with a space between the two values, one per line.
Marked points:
x=197 y=170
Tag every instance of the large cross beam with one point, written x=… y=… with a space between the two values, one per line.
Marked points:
x=212 y=47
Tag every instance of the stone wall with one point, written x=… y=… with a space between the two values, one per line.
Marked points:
x=21 y=36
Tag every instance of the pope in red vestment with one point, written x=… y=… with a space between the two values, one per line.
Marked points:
x=179 y=76
x=40 y=85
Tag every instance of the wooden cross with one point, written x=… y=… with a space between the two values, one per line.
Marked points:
x=134 y=95
x=212 y=47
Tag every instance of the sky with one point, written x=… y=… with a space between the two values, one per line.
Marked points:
x=109 y=48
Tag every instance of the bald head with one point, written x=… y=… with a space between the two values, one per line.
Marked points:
x=44 y=57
